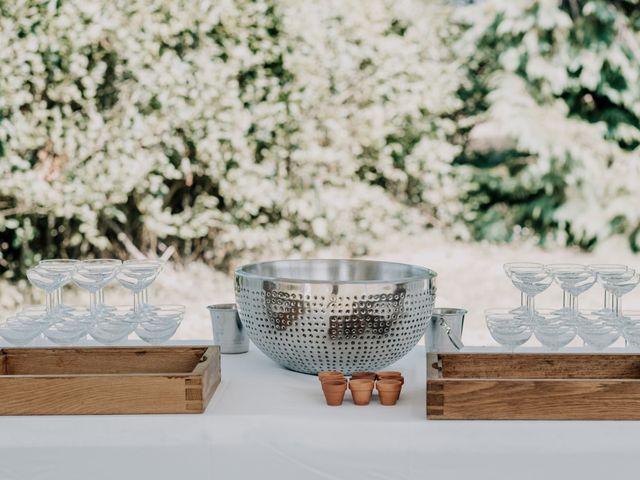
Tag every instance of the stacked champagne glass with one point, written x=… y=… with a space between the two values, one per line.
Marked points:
x=64 y=324
x=556 y=328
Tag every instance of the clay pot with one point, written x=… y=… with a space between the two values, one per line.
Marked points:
x=330 y=376
x=391 y=376
x=361 y=390
x=365 y=375
x=334 y=391
x=388 y=390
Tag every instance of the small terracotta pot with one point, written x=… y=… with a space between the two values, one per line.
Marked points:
x=365 y=375
x=334 y=391
x=388 y=390
x=361 y=390
x=390 y=375
x=330 y=376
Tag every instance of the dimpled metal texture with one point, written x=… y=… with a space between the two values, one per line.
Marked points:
x=344 y=315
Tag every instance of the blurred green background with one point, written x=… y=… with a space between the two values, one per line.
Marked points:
x=235 y=129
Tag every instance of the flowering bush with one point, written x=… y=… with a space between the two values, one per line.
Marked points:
x=221 y=127
x=552 y=107
x=238 y=128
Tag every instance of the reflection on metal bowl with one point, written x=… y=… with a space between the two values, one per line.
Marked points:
x=345 y=315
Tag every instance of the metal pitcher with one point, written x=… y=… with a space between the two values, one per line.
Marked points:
x=228 y=331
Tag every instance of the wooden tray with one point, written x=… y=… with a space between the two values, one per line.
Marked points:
x=533 y=386
x=107 y=380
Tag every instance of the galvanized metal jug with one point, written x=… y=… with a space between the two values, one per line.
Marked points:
x=445 y=331
x=228 y=331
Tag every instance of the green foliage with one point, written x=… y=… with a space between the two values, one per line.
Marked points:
x=224 y=129
x=274 y=127
x=552 y=90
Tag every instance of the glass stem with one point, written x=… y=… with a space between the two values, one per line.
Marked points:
x=522 y=303
x=564 y=300
x=573 y=303
x=136 y=302
x=607 y=297
x=50 y=301
x=617 y=304
x=145 y=296
x=93 y=302
x=531 y=304
x=59 y=296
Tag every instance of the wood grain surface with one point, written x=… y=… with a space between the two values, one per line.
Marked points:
x=102 y=360
x=534 y=399
x=539 y=365
x=533 y=386
x=117 y=380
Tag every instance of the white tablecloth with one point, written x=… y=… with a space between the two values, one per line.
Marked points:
x=268 y=423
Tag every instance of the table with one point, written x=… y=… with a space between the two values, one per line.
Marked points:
x=266 y=422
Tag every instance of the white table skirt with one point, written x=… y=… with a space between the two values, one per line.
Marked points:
x=268 y=423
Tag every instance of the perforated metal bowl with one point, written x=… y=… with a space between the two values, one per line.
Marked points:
x=345 y=315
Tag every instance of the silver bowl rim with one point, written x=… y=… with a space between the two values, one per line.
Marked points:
x=222 y=306
x=448 y=311
x=428 y=274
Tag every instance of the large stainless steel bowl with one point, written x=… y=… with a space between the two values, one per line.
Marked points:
x=346 y=315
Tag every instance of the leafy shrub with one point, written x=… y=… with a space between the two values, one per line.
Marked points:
x=552 y=109
x=221 y=128
x=240 y=128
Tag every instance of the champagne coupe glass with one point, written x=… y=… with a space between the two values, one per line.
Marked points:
x=115 y=327
x=71 y=327
x=630 y=323
x=156 y=334
x=530 y=279
x=602 y=271
x=508 y=328
x=34 y=316
x=574 y=279
x=159 y=324
x=137 y=275
x=49 y=281
x=552 y=331
x=620 y=285
x=596 y=332
x=94 y=275
x=164 y=313
x=62 y=266
x=508 y=267
x=631 y=336
x=17 y=332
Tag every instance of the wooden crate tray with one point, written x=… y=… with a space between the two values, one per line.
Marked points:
x=107 y=380
x=533 y=386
